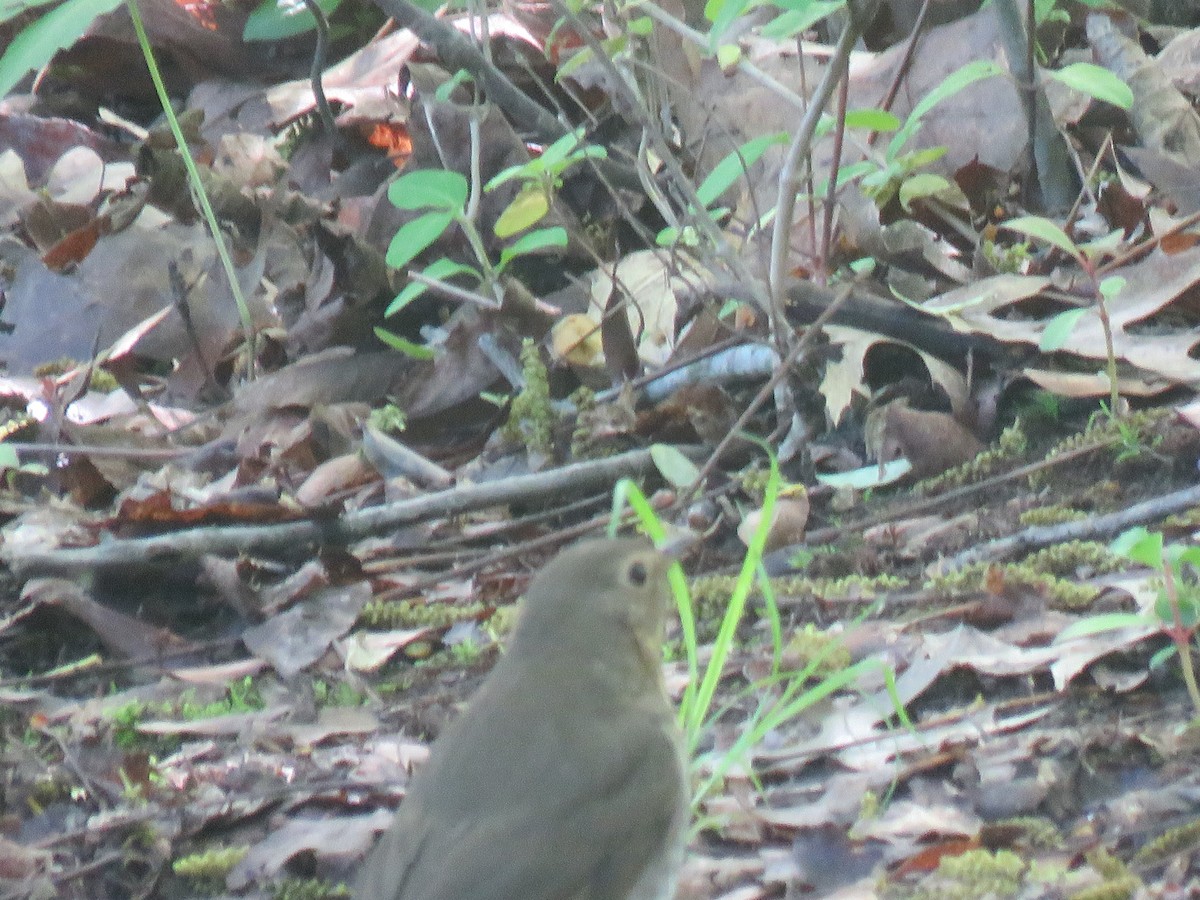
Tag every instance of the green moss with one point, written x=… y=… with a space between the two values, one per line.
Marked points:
x=1062 y=593
x=1005 y=259
x=242 y=696
x=100 y=380
x=339 y=694
x=809 y=644
x=1130 y=435
x=711 y=593
x=530 y=418
x=1119 y=889
x=389 y=418
x=1168 y=844
x=210 y=865
x=976 y=873
x=716 y=589
x=1054 y=514
x=1068 y=558
x=1036 y=831
x=1189 y=520
x=388 y=614
x=1012 y=445
x=1119 y=882
x=583 y=443
x=308 y=889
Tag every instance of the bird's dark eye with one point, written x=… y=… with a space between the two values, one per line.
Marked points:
x=638 y=574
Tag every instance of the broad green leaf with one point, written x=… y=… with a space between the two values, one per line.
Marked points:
x=923 y=184
x=1140 y=545
x=1102 y=623
x=670 y=237
x=527 y=208
x=733 y=166
x=1043 y=230
x=524 y=170
x=1095 y=81
x=1111 y=287
x=408 y=348
x=274 y=20
x=800 y=18
x=722 y=14
x=532 y=242
x=1188 y=612
x=1058 y=329
x=429 y=189
x=642 y=26
x=918 y=159
x=1182 y=554
x=415 y=236
x=441 y=270
x=872 y=120
x=10 y=9
x=558 y=151
x=40 y=40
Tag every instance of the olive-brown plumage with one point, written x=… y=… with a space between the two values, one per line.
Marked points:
x=564 y=779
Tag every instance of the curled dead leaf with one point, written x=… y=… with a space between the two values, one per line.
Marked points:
x=788 y=521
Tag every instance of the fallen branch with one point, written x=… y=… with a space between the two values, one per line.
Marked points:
x=298 y=539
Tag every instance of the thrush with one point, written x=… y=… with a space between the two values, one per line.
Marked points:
x=564 y=779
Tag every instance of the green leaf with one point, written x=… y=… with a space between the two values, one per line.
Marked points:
x=676 y=468
x=642 y=26
x=408 y=348
x=416 y=236
x=558 y=151
x=909 y=162
x=442 y=270
x=429 y=189
x=733 y=166
x=1102 y=623
x=527 y=208
x=722 y=14
x=728 y=56
x=800 y=18
x=925 y=184
x=1043 y=230
x=575 y=62
x=1111 y=287
x=872 y=120
x=1058 y=329
x=532 y=242
x=524 y=170
x=1139 y=545
x=40 y=40
x=1096 y=82
x=274 y=20
x=10 y=9
x=1181 y=554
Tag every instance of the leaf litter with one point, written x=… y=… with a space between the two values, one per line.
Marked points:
x=239 y=608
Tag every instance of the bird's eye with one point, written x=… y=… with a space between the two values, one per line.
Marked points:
x=638 y=574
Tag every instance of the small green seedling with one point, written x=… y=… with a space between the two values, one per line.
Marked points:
x=1176 y=611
